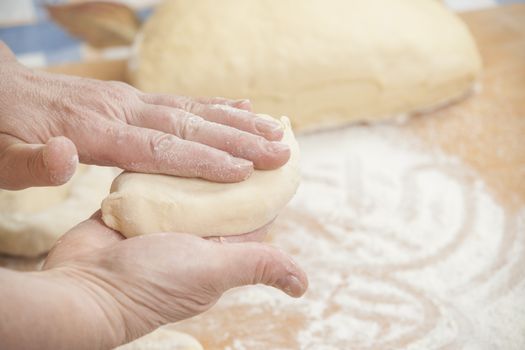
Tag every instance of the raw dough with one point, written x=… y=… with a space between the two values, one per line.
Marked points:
x=163 y=338
x=31 y=220
x=322 y=63
x=149 y=203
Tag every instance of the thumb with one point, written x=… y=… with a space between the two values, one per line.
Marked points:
x=254 y=263
x=83 y=239
x=25 y=165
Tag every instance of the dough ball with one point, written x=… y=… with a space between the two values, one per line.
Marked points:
x=323 y=63
x=149 y=203
x=163 y=339
x=31 y=220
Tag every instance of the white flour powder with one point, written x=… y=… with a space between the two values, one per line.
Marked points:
x=404 y=248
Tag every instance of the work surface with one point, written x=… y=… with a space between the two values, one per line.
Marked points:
x=412 y=234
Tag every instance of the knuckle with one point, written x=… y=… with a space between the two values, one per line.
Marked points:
x=96 y=97
x=121 y=87
x=160 y=143
x=118 y=84
x=190 y=126
x=120 y=106
x=118 y=91
x=188 y=104
x=227 y=114
x=246 y=145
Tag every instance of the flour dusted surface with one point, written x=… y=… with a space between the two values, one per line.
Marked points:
x=404 y=248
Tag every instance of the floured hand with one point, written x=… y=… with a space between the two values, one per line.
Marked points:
x=49 y=122
x=98 y=290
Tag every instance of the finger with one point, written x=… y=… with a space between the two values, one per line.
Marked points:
x=240 y=104
x=240 y=119
x=223 y=114
x=263 y=153
x=183 y=101
x=82 y=240
x=150 y=151
x=254 y=263
x=257 y=235
x=25 y=165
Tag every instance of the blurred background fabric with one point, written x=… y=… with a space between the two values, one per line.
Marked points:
x=37 y=41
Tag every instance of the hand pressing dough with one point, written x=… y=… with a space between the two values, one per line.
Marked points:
x=31 y=220
x=148 y=203
x=322 y=62
x=163 y=339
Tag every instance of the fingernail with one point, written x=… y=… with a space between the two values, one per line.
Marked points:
x=292 y=286
x=277 y=147
x=265 y=126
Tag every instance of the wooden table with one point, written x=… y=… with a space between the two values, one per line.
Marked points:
x=487 y=132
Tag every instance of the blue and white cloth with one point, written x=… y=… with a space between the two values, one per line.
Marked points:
x=37 y=41
x=26 y=28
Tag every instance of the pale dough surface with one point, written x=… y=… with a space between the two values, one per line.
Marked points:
x=148 y=203
x=322 y=63
x=163 y=338
x=31 y=220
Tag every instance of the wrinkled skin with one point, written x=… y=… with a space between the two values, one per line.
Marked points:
x=48 y=122
x=98 y=290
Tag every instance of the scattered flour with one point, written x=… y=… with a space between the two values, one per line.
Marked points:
x=404 y=248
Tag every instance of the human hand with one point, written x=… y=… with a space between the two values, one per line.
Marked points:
x=143 y=282
x=48 y=122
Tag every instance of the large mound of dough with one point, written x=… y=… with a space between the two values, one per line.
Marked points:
x=324 y=63
x=148 y=203
x=31 y=220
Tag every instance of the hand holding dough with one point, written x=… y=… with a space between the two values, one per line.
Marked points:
x=155 y=280
x=148 y=203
